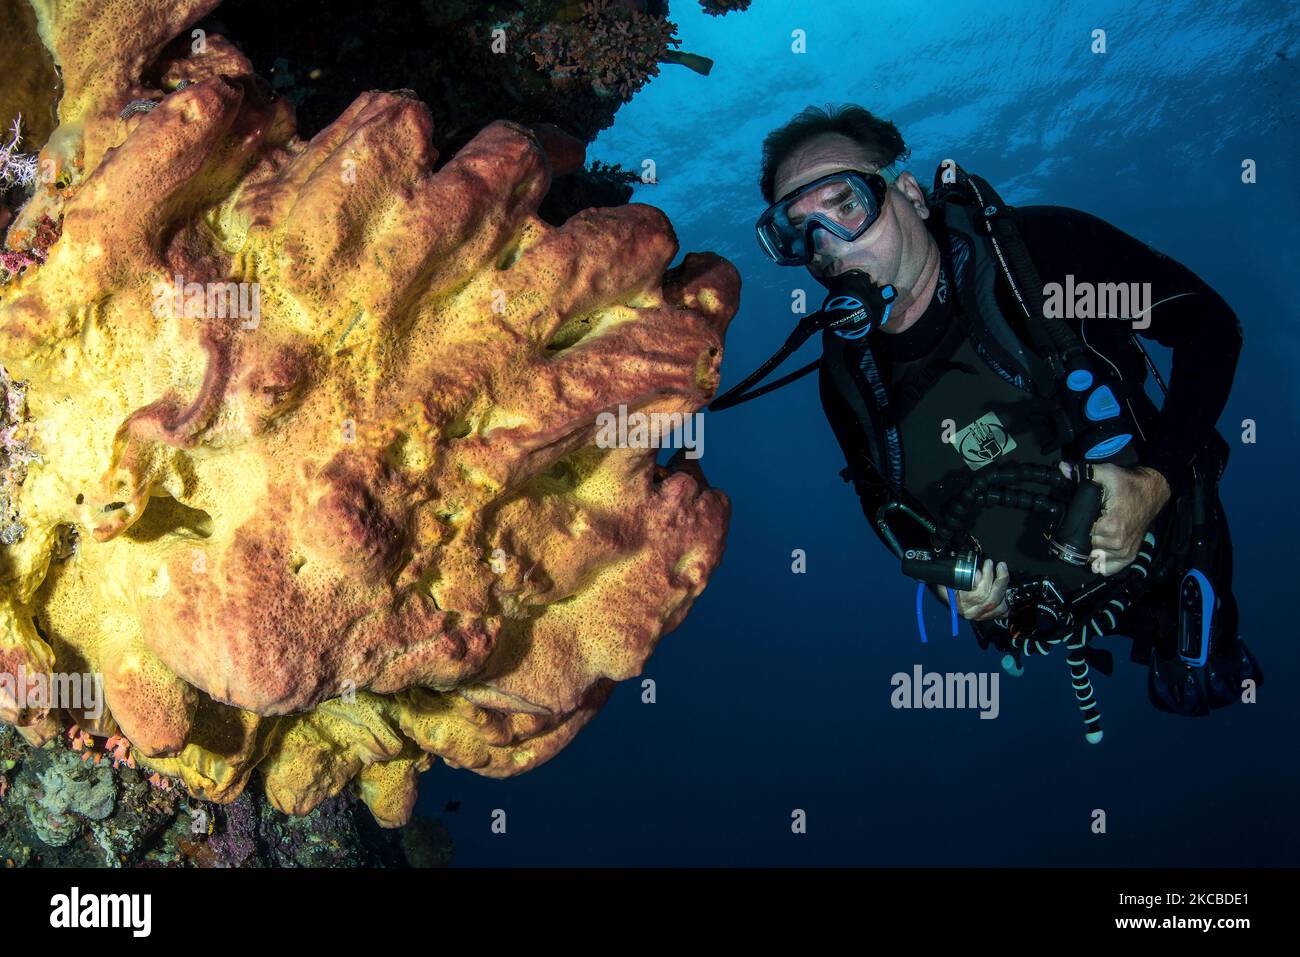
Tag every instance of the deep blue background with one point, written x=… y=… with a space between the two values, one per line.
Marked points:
x=774 y=693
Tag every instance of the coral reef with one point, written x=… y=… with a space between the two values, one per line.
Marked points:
x=601 y=185
x=609 y=48
x=531 y=61
x=535 y=62
x=70 y=807
x=30 y=82
x=64 y=794
x=13 y=262
x=720 y=8
x=315 y=487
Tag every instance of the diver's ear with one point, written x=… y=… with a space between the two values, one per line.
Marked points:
x=910 y=188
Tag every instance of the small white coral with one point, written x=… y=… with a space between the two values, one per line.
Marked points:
x=16 y=169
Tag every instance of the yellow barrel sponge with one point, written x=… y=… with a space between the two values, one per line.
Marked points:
x=314 y=478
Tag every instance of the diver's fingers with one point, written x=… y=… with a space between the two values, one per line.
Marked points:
x=1117 y=561
x=1003 y=580
x=997 y=591
x=977 y=602
x=1107 y=527
x=1110 y=544
x=982 y=585
x=1110 y=561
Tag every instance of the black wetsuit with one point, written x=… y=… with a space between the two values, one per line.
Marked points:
x=934 y=378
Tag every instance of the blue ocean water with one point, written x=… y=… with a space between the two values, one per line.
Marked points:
x=774 y=694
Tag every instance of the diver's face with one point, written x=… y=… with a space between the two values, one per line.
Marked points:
x=893 y=249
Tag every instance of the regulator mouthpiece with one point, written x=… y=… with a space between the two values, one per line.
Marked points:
x=855 y=305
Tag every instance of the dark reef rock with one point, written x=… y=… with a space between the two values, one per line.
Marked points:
x=559 y=62
x=60 y=809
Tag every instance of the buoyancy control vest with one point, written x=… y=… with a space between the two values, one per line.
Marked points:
x=1100 y=414
x=856 y=369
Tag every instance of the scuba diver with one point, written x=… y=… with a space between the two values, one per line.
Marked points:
x=981 y=373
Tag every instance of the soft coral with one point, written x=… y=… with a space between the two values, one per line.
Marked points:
x=16 y=169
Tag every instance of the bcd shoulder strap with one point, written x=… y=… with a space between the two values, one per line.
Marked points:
x=961 y=215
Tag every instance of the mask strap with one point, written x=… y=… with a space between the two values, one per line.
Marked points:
x=889 y=173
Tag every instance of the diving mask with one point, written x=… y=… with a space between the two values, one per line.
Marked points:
x=844 y=203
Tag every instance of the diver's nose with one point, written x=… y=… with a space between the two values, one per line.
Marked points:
x=821 y=240
x=824 y=253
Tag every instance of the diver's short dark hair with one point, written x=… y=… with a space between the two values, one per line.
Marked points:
x=880 y=138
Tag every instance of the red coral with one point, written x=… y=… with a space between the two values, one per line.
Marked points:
x=46 y=235
x=15 y=261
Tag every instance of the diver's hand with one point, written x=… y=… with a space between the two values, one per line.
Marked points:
x=988 y=595
x=1130 y=501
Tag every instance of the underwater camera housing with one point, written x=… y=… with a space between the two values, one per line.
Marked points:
x=1069 y=539
x=957 y=570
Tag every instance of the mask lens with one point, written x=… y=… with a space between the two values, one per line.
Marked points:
x=850 y=212
x=782 y=242
x=844 y=204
